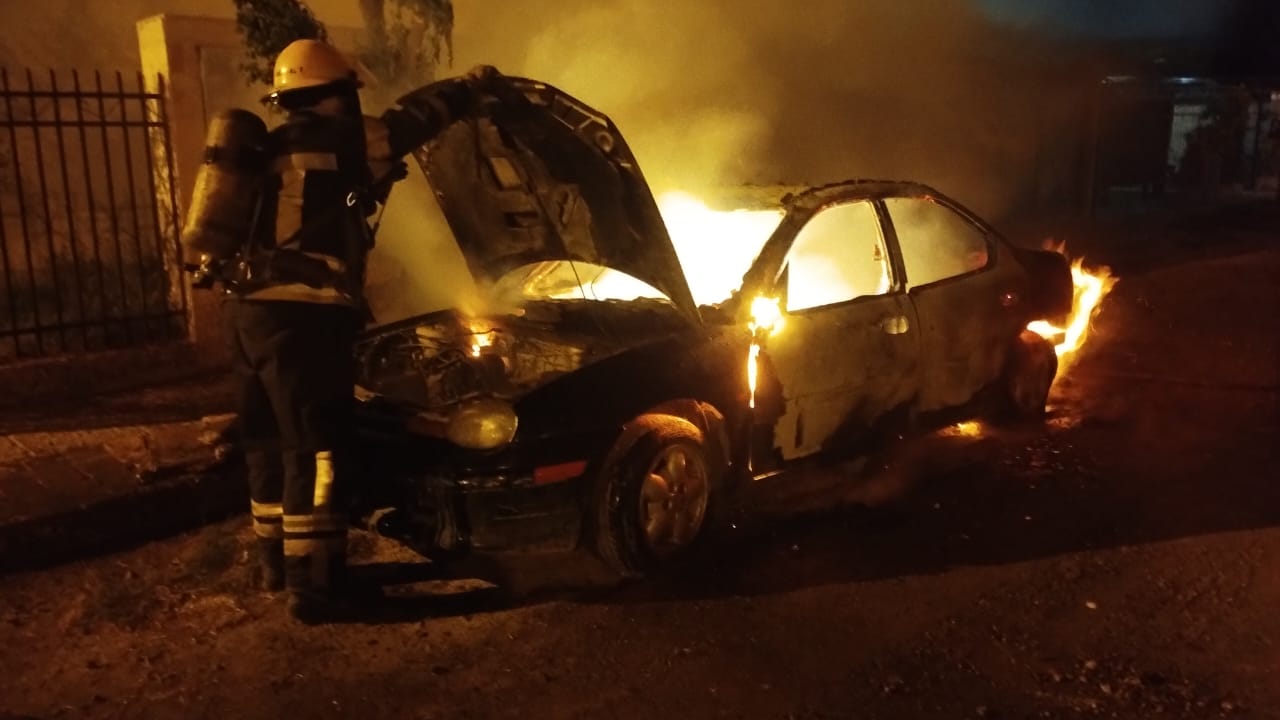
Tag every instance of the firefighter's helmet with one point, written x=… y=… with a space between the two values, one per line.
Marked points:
x=309 y=64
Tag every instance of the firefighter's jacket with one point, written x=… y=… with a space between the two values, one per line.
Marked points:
x=330 y=173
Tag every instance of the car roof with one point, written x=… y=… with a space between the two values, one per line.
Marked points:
x=860 y=188
x=752 y=196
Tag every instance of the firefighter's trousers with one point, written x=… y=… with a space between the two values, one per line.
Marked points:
x=296 y=373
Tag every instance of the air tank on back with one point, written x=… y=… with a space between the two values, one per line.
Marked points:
x=229 y=186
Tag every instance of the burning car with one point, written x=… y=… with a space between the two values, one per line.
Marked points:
x=593 y=402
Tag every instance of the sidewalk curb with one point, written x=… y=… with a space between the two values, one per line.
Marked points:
x=179 y=499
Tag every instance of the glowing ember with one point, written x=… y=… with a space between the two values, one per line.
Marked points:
x=766 y=319
x=1091 y=286
x=969 y=429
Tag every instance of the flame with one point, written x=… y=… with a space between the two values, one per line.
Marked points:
x=766 y=316
x=481 y=337
x=753 y=362
x=715 y=247
x=766 y=319
x=968 y=429
x=1091 y=286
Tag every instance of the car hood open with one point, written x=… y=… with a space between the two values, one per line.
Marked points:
x=534 y=175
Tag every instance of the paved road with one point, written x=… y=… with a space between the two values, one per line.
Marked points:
x=1120 y=561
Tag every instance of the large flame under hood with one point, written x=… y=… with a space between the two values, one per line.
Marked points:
x=533 y=175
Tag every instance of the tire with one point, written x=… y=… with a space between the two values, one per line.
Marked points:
x=653 y=495
x=1028 y=377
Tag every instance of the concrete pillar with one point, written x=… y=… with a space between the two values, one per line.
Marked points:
x=172 y=47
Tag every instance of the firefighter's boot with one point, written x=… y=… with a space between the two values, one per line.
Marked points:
x=269 y=569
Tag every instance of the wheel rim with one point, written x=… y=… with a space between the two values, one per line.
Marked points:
x=673 y=499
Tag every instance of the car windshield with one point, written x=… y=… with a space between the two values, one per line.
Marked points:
x=715 y=248
x=570 y=280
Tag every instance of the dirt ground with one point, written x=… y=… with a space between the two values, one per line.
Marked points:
x=1122 y=560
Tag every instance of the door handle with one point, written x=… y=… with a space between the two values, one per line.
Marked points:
x=894 y=324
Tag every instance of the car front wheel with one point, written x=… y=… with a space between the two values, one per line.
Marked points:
x=653 y=494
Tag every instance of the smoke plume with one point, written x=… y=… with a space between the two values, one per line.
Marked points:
x=721 y=92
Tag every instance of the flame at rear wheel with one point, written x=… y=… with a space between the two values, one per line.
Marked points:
x=1091 y=287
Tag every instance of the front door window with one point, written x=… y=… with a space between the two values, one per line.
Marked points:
x=838 y=256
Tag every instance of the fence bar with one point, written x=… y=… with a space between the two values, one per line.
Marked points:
x=133 y=203
x=111 y=198
x=8 y=277
x=93 y=210
x=66 y=196
x=48 y=219
x=22 y=215
x=176 y=225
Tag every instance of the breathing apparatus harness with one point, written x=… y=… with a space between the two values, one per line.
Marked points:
x=254 y=267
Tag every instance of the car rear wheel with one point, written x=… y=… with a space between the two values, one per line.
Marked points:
x=1033 y=365
x=654 y=494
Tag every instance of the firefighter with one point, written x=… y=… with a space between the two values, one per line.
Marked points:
x=293 y=309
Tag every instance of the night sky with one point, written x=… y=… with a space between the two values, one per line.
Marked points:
x=1114 y=19
x=1234 y=38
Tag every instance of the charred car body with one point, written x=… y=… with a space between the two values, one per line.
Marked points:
x=557 y=418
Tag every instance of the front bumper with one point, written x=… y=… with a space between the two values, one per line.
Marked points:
x=504 y=517
x=441 y=520
x=529 y=495
x=452 y=511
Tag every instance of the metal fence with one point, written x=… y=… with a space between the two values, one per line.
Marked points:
x=88 y=218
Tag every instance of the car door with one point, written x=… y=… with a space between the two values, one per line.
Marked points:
x=845 y=353
x=962 y=290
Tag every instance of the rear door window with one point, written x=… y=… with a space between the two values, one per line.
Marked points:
x=839 y=255
x=936 y=242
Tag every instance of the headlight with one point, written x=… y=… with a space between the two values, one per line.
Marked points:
x=482 y=424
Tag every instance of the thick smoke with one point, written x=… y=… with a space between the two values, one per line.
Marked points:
x=722 y=92
x=719 y=93
x=416 y=267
